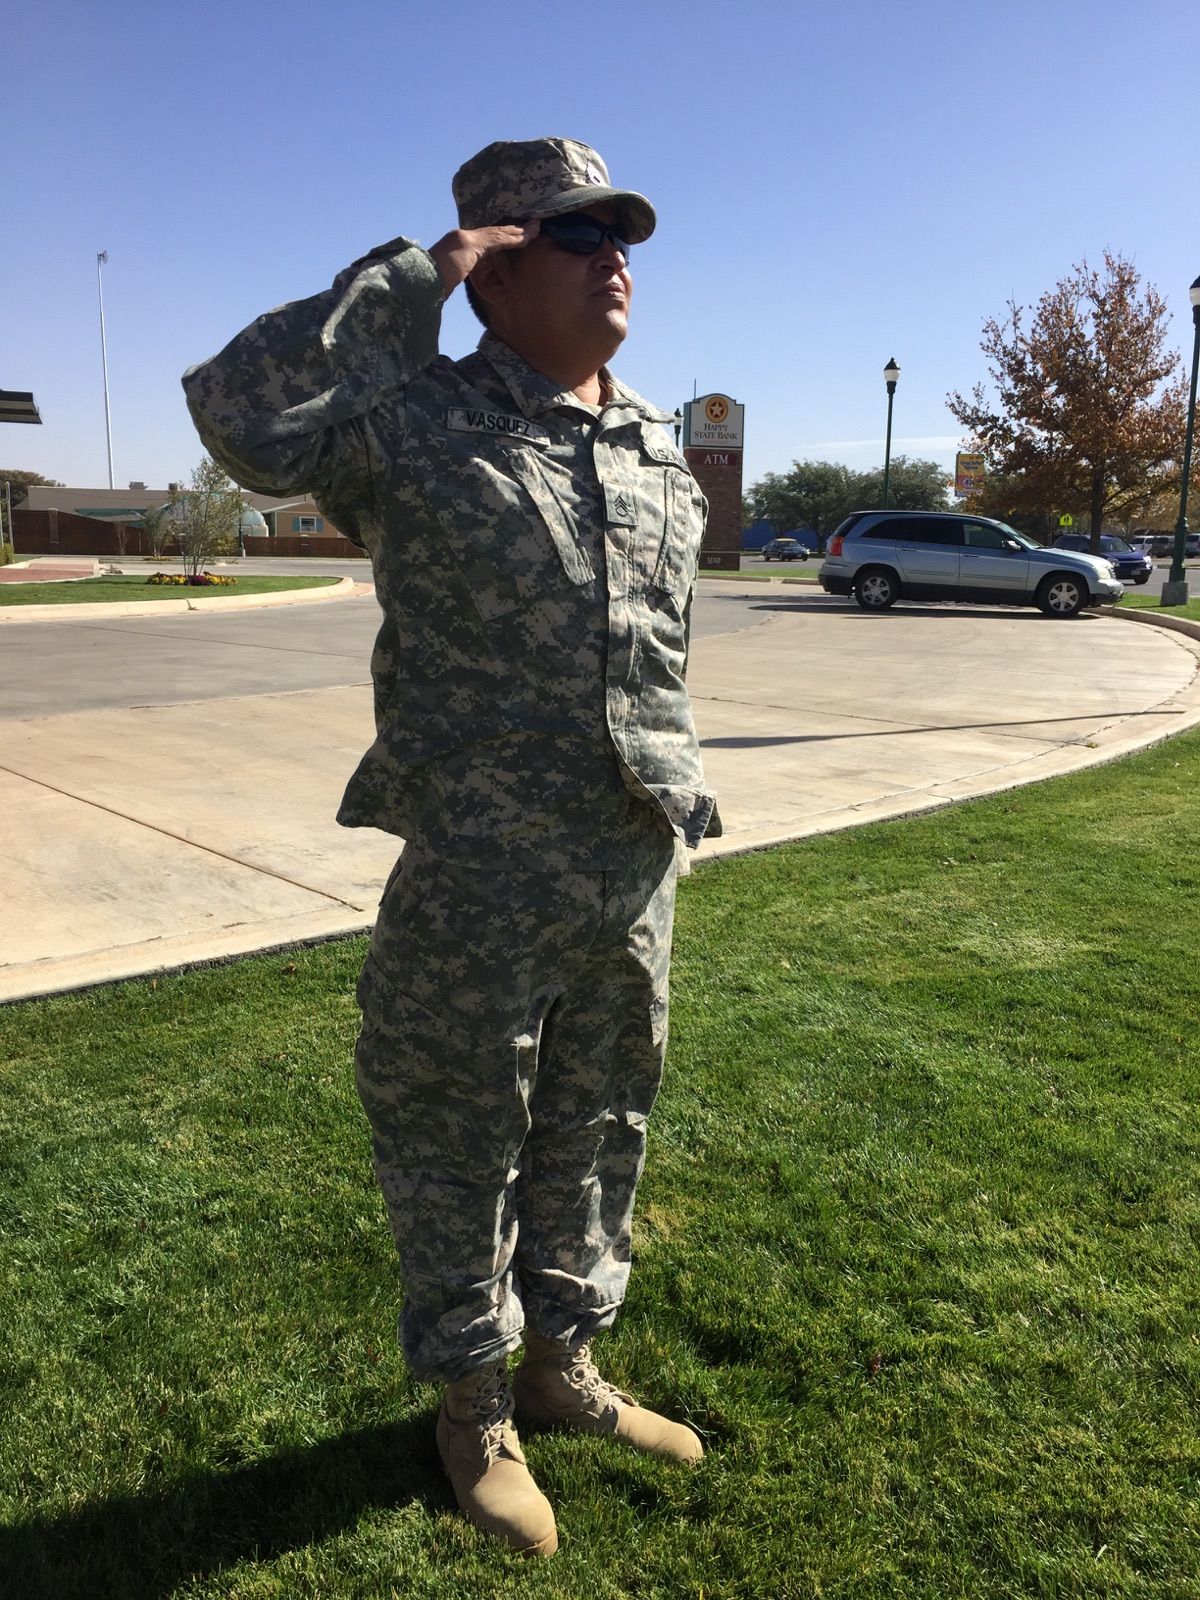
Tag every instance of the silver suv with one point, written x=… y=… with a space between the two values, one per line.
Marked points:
x=882 y=556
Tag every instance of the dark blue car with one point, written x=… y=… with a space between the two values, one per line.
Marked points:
x=1133 y=566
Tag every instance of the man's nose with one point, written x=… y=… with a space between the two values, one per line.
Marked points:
x=610 y=257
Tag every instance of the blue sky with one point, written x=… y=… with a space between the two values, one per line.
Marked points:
x=836 y=184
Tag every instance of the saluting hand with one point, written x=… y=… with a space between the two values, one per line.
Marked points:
x=461 y=251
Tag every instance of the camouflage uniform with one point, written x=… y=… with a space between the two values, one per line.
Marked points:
x=534 y=559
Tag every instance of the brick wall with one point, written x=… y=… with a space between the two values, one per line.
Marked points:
x=62 y=533
x=719 y=474
x=302 y=544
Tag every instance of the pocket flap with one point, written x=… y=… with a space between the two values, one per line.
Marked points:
x=561 y=524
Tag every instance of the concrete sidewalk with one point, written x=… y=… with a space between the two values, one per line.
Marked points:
x=157 y=836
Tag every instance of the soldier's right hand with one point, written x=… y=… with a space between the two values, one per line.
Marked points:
x=459 y=252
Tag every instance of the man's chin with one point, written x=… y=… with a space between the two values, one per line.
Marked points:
x=616 y=320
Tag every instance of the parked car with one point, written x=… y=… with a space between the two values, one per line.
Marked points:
x=1133 y=566
x=883 y=556
x=1162 y=545
x=785 y=550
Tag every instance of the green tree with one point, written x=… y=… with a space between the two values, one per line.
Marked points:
x=204 y=517
x=19 y=483
x=913 y=485
x=820 y=494
x=1089 y=408
x=814 y=494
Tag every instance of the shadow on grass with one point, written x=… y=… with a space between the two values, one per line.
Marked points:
x=144 y=1547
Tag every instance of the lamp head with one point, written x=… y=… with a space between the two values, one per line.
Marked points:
x=890 y=373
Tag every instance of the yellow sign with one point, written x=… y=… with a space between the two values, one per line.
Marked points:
x=716 y=408
x=1066 y=520
x=969 y=474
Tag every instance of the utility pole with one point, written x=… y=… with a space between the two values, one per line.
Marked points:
x=101 y=258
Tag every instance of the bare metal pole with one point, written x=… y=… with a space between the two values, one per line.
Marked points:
x=101 y=258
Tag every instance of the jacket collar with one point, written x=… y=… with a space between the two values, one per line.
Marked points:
x=535 y=394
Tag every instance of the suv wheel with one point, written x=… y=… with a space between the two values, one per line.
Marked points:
x=876 y=589
x=1061 y=595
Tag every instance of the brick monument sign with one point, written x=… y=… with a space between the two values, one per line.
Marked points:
x=714 y=426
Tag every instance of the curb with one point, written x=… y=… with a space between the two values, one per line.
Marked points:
x=1172 y=624
x=755 y=578
x=86 y=611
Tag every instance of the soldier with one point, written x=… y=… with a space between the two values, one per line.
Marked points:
x=534 y=537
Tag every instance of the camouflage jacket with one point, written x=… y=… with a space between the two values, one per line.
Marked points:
x=534 y=559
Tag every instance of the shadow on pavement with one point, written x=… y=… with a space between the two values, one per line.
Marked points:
x=750 y=741
x=836 y=605
x=149 y=1545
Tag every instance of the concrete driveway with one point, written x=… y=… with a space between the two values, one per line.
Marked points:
x=169 y=784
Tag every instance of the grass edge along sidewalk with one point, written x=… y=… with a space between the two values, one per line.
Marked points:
x=916 y=1249
x=1152 y=603
x=134 y=587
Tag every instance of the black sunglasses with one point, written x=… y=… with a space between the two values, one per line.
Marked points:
x=583 y=235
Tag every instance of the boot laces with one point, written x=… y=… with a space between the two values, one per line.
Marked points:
x=597 y=1391
x=492 y=1408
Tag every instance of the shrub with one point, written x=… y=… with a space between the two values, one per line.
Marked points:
x=7 y=554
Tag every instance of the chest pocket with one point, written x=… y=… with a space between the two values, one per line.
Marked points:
x=684 y=506
x=560 y=523
x=515 y=540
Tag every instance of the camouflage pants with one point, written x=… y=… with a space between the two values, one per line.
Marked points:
x=514 y=1025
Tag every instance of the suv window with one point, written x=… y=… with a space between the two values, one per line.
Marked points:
x=1070 y=541
x=981 y=536
x=847 y=523
x=917 y=530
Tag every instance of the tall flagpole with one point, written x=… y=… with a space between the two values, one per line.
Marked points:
x=101 y=258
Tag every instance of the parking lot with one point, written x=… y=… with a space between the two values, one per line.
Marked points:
x=170 y=782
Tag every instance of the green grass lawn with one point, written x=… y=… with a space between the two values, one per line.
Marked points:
x=916 y=1250
x=133 y=586
x=1150 y=602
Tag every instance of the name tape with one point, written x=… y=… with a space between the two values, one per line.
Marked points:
x=462 y=419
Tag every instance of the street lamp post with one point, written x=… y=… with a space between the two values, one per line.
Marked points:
x=677 y=424
x=890 y=373
x=1175 y=590
x=101 y=258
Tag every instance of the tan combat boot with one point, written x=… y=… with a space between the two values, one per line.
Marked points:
x=560 y=1386
x=484 y=1462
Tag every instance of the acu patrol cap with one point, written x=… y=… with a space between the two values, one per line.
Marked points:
x=535 y=178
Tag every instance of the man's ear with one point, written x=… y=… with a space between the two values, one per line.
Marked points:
x=489 y=279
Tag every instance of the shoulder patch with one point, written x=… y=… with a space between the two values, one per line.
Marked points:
x=466 y=419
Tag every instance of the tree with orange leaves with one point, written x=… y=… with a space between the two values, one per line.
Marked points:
x=1090 y=408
